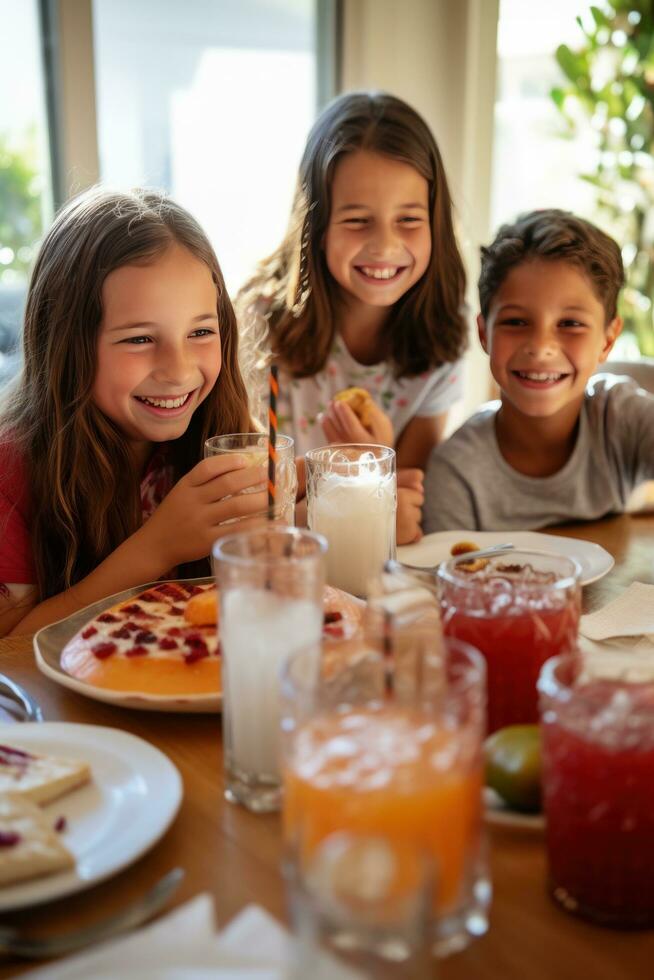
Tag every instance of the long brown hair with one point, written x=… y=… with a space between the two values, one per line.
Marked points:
x=427 y=326
x=83 y=487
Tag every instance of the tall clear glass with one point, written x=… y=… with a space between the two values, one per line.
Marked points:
x=270 y=584
x=254 y=447
x=400 y=760
x=519 y=609
x=598 y=792
x=352 y=500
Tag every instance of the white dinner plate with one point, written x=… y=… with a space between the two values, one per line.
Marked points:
x=498 y=813
x=50 y=641
x=434 y=548
x=133 y=797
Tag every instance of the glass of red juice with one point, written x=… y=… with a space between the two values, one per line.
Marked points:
x=519 y=608
x=598 y=791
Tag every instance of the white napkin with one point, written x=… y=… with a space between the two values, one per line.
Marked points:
x=184 y=946
x=631 y=614
x=618 y=640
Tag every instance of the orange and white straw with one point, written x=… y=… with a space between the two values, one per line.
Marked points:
x=272 y=441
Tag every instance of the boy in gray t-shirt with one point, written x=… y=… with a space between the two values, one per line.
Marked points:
x=556 y=447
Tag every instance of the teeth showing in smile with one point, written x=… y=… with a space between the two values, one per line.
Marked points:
x=164 y=402
x=386 y=273
x=540 y=375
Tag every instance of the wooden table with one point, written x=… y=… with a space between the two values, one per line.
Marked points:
x=235 y=855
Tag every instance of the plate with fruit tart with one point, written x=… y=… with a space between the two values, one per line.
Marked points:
x=76 y=807
x=156 y=647
x=594 y=560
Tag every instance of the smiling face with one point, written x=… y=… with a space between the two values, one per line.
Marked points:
x=378 y=240
x=546 y=335
x=159 y=351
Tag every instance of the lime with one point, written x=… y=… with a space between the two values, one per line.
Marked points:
x=513 y=765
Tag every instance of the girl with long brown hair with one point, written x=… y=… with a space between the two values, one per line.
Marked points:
x=129 y=364
x=366 y=290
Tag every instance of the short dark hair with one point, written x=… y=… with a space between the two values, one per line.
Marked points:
x=553 y=235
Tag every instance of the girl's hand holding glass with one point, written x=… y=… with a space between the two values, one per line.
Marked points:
x=341 y=425
x=410 y=498
x=191 y=517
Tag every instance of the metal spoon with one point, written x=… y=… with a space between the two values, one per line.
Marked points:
x=18 y=695
x=13 y=943
x=494 y=549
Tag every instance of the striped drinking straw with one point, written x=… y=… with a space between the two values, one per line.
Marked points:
x=272 y=441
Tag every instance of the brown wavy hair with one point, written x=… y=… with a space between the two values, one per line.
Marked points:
x=83 y=488
x=427 y=326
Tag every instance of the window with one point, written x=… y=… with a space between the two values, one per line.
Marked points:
x=25 y=191
x=211 y=101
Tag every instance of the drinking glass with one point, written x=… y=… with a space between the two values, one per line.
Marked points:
x=598 y=791
x=271 y=584
x=519 y=609
x=352 y=500
x=401 y=761
x=361 y=901
x=254 y=447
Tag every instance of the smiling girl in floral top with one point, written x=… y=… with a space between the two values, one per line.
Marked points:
x=367 y=290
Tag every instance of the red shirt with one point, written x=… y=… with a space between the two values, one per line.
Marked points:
x=16 y=565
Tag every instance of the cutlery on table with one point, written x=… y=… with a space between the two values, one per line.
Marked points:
x=14 y=943
x=494 y=549
x=18 y=695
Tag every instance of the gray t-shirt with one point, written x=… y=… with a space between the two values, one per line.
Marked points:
x=470 y=485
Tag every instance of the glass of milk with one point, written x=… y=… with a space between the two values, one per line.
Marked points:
x=253 y=446
x=271 y=584
x=352 y=501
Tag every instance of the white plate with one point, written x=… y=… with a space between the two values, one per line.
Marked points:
x=133 y=797
x=50 y=641
x=434 y=548
x=498 y=813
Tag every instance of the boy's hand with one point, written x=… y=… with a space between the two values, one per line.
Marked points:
x=340 y=424
x=410 y=498
x=190 y=518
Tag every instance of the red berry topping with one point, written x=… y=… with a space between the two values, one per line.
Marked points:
x=137 y=651
x=176 y=611
x=88 y=632
x=332 y=617
x=167 y=643
x=132 y=627
x=10 y=756
x=134 y=609
x=174 y=631
x=104 y=650
x=144 y=636
x=108 y=618
x=9 y=838
x=197 y=653
x=195 y=589
x=122 y=633
x=60 y=825
x=149 y=597
x=195 y=640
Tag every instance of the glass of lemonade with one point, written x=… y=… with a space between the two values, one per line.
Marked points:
x=519 y=609
x=352 y=500
x=402 y=762
x=253 y=446
x=271 y=585
x=598 y=791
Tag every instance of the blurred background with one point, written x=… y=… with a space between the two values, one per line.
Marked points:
x=532 y=104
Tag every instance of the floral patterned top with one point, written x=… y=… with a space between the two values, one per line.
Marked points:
x=301 y=400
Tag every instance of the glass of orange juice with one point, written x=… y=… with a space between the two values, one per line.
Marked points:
x=253 y=446
x=399 y=760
